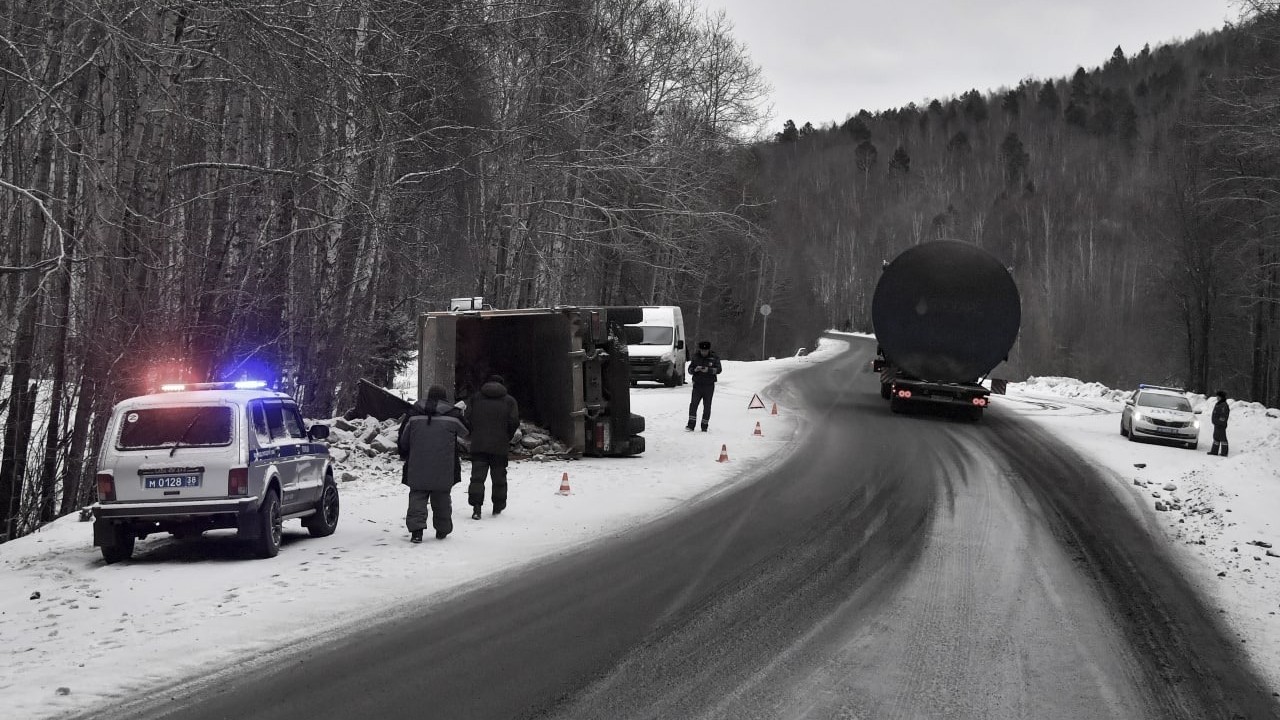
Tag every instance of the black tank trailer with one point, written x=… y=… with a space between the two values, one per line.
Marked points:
x=946 y=313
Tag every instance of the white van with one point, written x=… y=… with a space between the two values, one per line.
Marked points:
x=657 y=346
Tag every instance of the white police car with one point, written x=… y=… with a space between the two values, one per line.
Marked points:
x=211 y=455
x=1160 y=413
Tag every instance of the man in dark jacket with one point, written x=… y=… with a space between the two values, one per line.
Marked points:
x=494 y=417
x=1221 y=413
x=428 y=443
x=704 y=367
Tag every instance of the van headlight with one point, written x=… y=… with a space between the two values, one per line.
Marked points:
x=667 y=357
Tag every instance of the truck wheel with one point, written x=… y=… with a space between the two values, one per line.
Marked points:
x=270 y=527
x=122 y=547
x=635 y=424
x=897 y=405
x=885 y=391
x=325 y=519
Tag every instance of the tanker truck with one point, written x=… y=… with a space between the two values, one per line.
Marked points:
x=945 y=314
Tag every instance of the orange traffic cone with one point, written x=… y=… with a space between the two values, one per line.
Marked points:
x=724 y=454
x=775 y=409
x=564 y=484
x=758 y=433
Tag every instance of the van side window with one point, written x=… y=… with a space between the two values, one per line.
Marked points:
x=275 y=419
x=260 y=422
x=293 y=422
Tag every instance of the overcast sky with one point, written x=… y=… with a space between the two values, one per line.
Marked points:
x=826 y=59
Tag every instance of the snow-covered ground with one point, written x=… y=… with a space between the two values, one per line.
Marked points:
x=1230 y=507
x=76 y=633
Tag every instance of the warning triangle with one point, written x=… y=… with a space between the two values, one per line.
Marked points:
x=756 y=403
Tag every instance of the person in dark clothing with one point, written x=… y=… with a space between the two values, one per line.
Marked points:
x=494 y=418
x=704 y=367
x=428 y=444
x=1221 y=413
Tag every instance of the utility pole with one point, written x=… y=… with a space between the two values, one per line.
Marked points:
x=764 y=332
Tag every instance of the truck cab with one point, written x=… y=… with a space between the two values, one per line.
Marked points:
x=656 y=346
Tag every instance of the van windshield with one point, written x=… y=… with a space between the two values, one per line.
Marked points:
x=193 y=425
x=649 y=335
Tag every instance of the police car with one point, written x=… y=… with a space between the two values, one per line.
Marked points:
x=202 y=456
x=1160 y=413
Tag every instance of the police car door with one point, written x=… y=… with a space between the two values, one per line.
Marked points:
x=283 y=450
x=308 y=464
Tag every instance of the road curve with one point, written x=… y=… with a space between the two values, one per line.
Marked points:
x=893 y=567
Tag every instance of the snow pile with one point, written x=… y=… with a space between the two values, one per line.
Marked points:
x=1070 y=388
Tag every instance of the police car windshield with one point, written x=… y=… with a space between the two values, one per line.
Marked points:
x=146 y=428
x=649 y=335
x=1166 y=402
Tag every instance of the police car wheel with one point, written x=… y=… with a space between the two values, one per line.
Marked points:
x=270 y=527
x=122 y=548
x=325 y=519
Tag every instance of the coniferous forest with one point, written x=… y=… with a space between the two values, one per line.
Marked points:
x=195 y=191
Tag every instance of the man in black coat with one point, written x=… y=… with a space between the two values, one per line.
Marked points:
x=427 y=443
x=1221 y=413
x=704 y=367
x=494 y=417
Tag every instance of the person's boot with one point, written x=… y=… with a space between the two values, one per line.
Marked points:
x=497 y=509
x=1224 y=449
x=475 y=512
x=689 y=427
x=415 y=536
x=1214 y=450
x=441 y=534
x=704 y=427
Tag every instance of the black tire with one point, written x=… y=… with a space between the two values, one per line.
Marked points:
x=885 y=391
x=897 y=405
x=1123 y=432
x=1131 y=436
x=325 y=519
x=975 y=414
x=1192 y=445
x=122 y=548
x=635 y=425
x=270 y=527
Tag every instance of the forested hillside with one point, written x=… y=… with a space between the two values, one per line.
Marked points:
x=221 y=189
x=209 y=190
x=1135 y=203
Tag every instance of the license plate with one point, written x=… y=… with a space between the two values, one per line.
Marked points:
x=1166 y=431
x=171 y=481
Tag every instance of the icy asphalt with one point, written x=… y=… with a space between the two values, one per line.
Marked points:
x=892 y=567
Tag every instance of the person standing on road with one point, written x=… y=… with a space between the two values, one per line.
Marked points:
x=428 y=444
x=704 y=367
x=1221 y=413
x=494 y=418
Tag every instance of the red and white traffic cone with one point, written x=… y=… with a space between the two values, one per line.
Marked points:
x=724 y=454
x=564 y=485
x=775 y=409
x=758 y=432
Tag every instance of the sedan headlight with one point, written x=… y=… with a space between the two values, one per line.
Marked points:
x=1195 y=424
x=1137 y=416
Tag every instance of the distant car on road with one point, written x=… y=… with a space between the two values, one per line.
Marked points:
x=211 y=455
x=1160 y=413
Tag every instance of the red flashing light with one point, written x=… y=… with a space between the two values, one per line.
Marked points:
x=106 y=487
x=600 y=436
x=980 y=401
x=238 y=481
x=904 y=394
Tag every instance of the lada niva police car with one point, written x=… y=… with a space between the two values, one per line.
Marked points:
x=202 y=456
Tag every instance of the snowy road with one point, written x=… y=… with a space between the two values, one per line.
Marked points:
x=894 y=567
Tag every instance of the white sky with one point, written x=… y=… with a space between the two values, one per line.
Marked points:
x=827 y=59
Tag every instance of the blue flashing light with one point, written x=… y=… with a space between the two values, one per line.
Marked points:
x=250 y=384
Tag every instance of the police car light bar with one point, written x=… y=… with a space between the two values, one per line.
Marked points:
x=1144 y=386
x=237 y=385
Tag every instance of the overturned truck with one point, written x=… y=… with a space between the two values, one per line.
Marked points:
x=566 y=366
x=946 y=314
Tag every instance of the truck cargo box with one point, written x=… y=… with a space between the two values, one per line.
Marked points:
x=566 y=367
